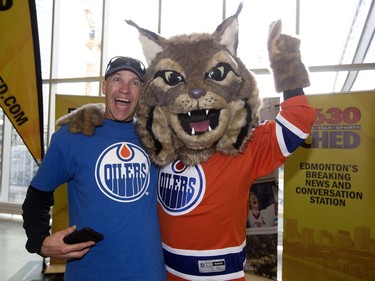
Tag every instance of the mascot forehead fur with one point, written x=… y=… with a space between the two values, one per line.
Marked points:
x=198 y=96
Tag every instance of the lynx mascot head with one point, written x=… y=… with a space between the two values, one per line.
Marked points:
x=198 y=96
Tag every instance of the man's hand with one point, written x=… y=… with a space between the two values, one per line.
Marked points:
x=53 y=246
x=84 y=119
x=288 y=70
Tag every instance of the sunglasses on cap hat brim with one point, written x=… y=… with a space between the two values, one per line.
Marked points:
x=125 y=63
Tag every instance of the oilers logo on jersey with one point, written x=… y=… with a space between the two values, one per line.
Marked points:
x=180 y=187
x=122 y=172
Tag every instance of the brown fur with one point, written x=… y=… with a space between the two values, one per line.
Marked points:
x=193 y=57
x=84 y=119
x=288 y=70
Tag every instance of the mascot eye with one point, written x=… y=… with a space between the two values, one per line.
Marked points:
x=170 y=77
x=219 y=72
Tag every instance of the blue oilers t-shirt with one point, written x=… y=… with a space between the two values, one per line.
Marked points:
x=112 y=189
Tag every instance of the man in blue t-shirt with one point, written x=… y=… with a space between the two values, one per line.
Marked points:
x=111 y=189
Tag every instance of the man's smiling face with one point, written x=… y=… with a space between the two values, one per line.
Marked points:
x=121 y=90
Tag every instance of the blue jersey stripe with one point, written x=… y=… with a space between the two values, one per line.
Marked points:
x=221 y=277
x=201 y=265
x=289 y=136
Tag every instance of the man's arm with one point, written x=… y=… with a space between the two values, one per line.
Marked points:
x=293 y=93
x=36 y=217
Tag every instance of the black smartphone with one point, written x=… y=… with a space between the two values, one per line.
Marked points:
x=83 y=235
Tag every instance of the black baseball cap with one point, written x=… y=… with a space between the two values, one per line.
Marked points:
x=125 y=63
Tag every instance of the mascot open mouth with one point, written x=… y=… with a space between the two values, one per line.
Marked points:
x=198 y=122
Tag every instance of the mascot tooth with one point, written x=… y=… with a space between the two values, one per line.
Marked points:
x=198 y=118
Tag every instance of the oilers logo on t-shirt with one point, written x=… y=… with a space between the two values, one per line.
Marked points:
x=180 y=187
x=122 y=172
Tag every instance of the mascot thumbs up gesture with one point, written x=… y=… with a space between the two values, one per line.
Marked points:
x=285 y=57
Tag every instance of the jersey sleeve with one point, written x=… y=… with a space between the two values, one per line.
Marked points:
x=53 y=170
x=293 y=123
x=274 y=140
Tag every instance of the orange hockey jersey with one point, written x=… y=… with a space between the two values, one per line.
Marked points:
x=203 y=209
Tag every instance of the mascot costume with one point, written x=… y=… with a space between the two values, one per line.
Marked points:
x=198 y=118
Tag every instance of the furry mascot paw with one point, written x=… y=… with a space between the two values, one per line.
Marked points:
x=84 y=119
x=288 y=70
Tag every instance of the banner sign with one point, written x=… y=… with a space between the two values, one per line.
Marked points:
x=262 y=223
x=329 y=210
x=20 y=73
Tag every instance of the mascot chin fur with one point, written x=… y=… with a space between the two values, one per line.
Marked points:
x=198 y=118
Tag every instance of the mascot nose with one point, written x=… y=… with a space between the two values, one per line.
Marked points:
x=197 y=93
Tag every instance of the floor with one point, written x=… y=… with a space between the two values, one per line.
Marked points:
x=12 y=246
x=18 y=264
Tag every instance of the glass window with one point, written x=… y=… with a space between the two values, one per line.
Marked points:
x=83 y=88
x=44 y=16
x=370 y=55
x=266 y=86
x=77 y=47
x=22 y=169
x=121 y=38
x=364 y=81
x=254 y=22
x=179 y=17
x=322 y=83
x=325 y=35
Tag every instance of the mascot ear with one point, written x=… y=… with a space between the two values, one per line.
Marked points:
x=150 y=41
x=228 y=32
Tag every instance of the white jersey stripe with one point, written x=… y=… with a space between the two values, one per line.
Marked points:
x=202 y=253
x=280 y=140
x=295 y=130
